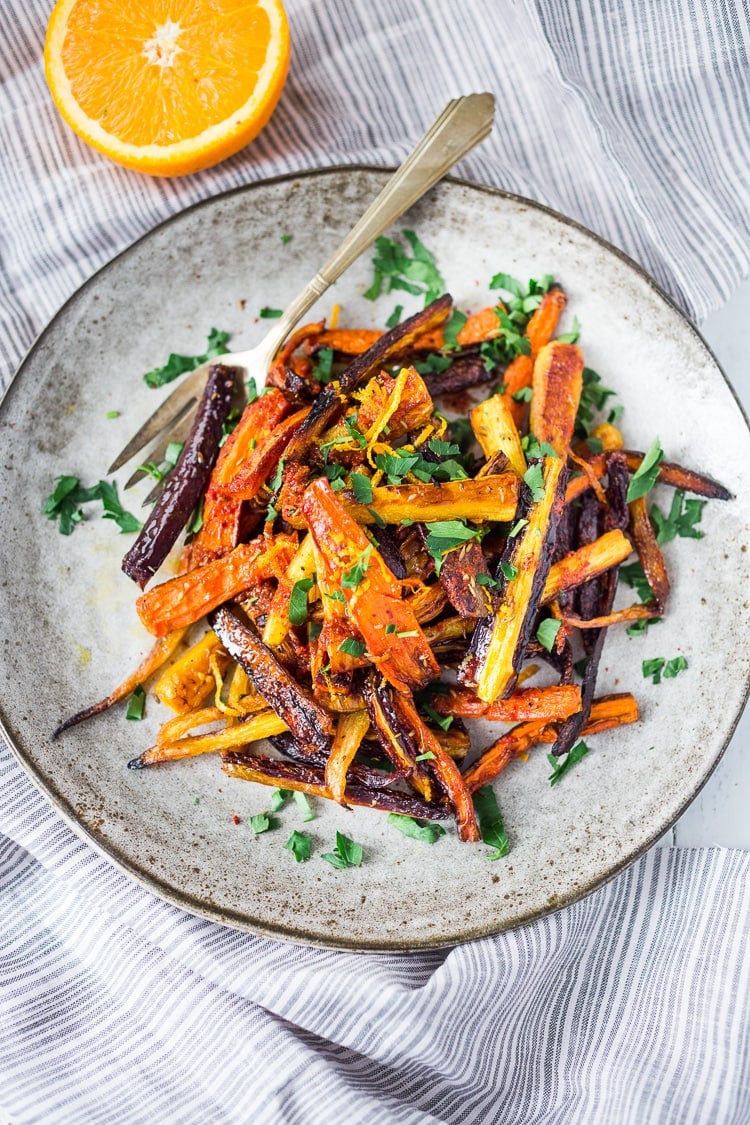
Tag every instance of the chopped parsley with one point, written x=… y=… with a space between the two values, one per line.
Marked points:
x=395 y=317
x=347 y=853
x=452 y=329
x=136 y=704
x=562 y=765
x=353 y=577
x=443 y=721
x=593 y=398
x=509 y=571
x=444 y=535
x=362 y=488
x=573 y=336
x=394 y=268
x=522 y=395
x=302 y=802
x=279 y=798
x=262 y=822
x=426 y=832
x=353 y=647
x=659 y=668
x=490 y=822
x=680 y=521
x=297 y=611
x=323 y=365
x=285 y=238
x=179 y=364
x=547 y=632
x=534 y=480
x=270 y=314
x=64 y=504
x=300 y=845
x=518 y=526
x=644 y=478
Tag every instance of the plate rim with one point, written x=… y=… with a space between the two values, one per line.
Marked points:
x=234 y=919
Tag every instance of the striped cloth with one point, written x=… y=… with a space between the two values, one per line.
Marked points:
x=631 y=1006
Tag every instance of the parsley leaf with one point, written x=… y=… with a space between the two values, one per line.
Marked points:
x=270 y=314
x=279 y=798
x=427 y=833
x=452 y=329
x=300 y=845
x=347 y=853
x=571 y=337
x=136 y=704
x=490 y=821
x=298 y=600
x=395 y=317
x=178 y=364
x=644 y=478
x=352 y=578
x=393 y=268
x=323 y=365
x=302 y=802
x=681 y=519
x=353 y=647
x=362 y=488
x=561 y=766
x=444 y=535
x=65 y=502
x=509 y=571
x=534 y=479
x=262 y=822
x=593 y=398
x=547 y=632
x=657 y=667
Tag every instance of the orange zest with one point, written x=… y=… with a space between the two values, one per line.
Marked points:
x=167 y=87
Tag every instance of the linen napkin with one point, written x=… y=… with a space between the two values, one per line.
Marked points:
x=630 y=1006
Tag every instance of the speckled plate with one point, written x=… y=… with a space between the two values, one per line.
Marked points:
x=70 y=631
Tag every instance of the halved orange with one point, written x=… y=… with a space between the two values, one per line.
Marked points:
x=167 y=86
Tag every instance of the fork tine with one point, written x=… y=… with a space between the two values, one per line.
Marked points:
x=178 y=430
x=185 y=396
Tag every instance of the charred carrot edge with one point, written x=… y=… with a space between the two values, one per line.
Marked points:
x=259 y=726
x=557 y=383
x=307 y=721
x=545 y=703
x=586 y=562
x=261 y=461
x=397 y=740
x=152 y=662
x=443 y=767
x=350 y=730
x=183 y=600
x=677 y=476
x=649 y=552
x=459 y=576
x=639 y=612
x=310 y=779
x=607 y=712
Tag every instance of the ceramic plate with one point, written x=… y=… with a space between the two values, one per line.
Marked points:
x=71 y=631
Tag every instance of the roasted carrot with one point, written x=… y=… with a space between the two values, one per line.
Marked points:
x=350 y=730
x=351 y=564
x=187 y=598
x=546 y=703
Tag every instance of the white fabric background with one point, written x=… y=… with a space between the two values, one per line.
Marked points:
x=629 y=1007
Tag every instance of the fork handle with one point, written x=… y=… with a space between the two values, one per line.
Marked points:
x=460 y=127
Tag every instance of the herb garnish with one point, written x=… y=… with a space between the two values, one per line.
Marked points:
x=547 y=632
x=300 y=845
x=297 y=611
x=302 y=802
x=65 y=504
x=593 y=398
x=659 y=667
x=490 y=822
x=644 y=478
x=179 y=364
x=262 y=822
x=353 y=647
x=562 y=765
x=444 y=535
x=681 y=519
x=279 y=798
x=362 y=488
x=323 y=365
x=347 y=853
x=428 y=833
x=270 y=314
x=395 y=269
x=136 y=704
x=353 y=577
x=534 y=480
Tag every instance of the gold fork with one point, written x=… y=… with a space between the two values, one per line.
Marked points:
x=460 y=127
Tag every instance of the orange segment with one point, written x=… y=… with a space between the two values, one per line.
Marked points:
x=167 y=86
